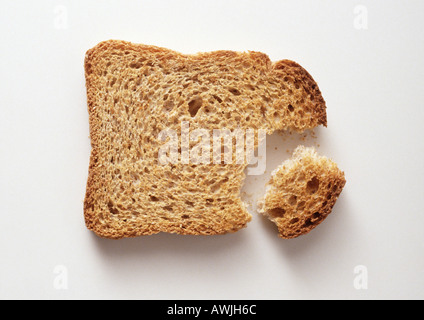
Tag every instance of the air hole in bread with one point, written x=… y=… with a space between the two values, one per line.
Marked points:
x=266 y=98
x=154 y=199
x=136 y=64
x=301 y=205
x=263 y=111
x=217 y=98
x=185 y=216
x=316 y=215
x=277 y=212
x=215 y=187
x=292 y=200
x=168 y=105
x=312 y=185
x=112 y=208
x=294 y=220
x=194 y=106
x=290 y=107
x=88 y=67
x=307 y=223
x=234 y=91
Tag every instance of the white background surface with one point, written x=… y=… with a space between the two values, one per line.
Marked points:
x=371 y=79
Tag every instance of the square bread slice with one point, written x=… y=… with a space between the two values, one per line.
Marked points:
x=302 y=192
x=136 y=91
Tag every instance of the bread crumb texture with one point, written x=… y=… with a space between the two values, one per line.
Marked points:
x=302 y=192
x=135 y=91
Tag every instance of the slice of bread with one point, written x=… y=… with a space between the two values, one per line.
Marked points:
x=135 y=91
x=301 y=192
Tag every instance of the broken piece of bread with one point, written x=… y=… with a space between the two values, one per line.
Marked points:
x=302 y=192
x=136 y=91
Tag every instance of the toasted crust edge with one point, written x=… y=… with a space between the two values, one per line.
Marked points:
x=309 y=84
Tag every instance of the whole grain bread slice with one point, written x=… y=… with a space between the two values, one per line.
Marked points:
x=302 y=192
x=135 y=91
